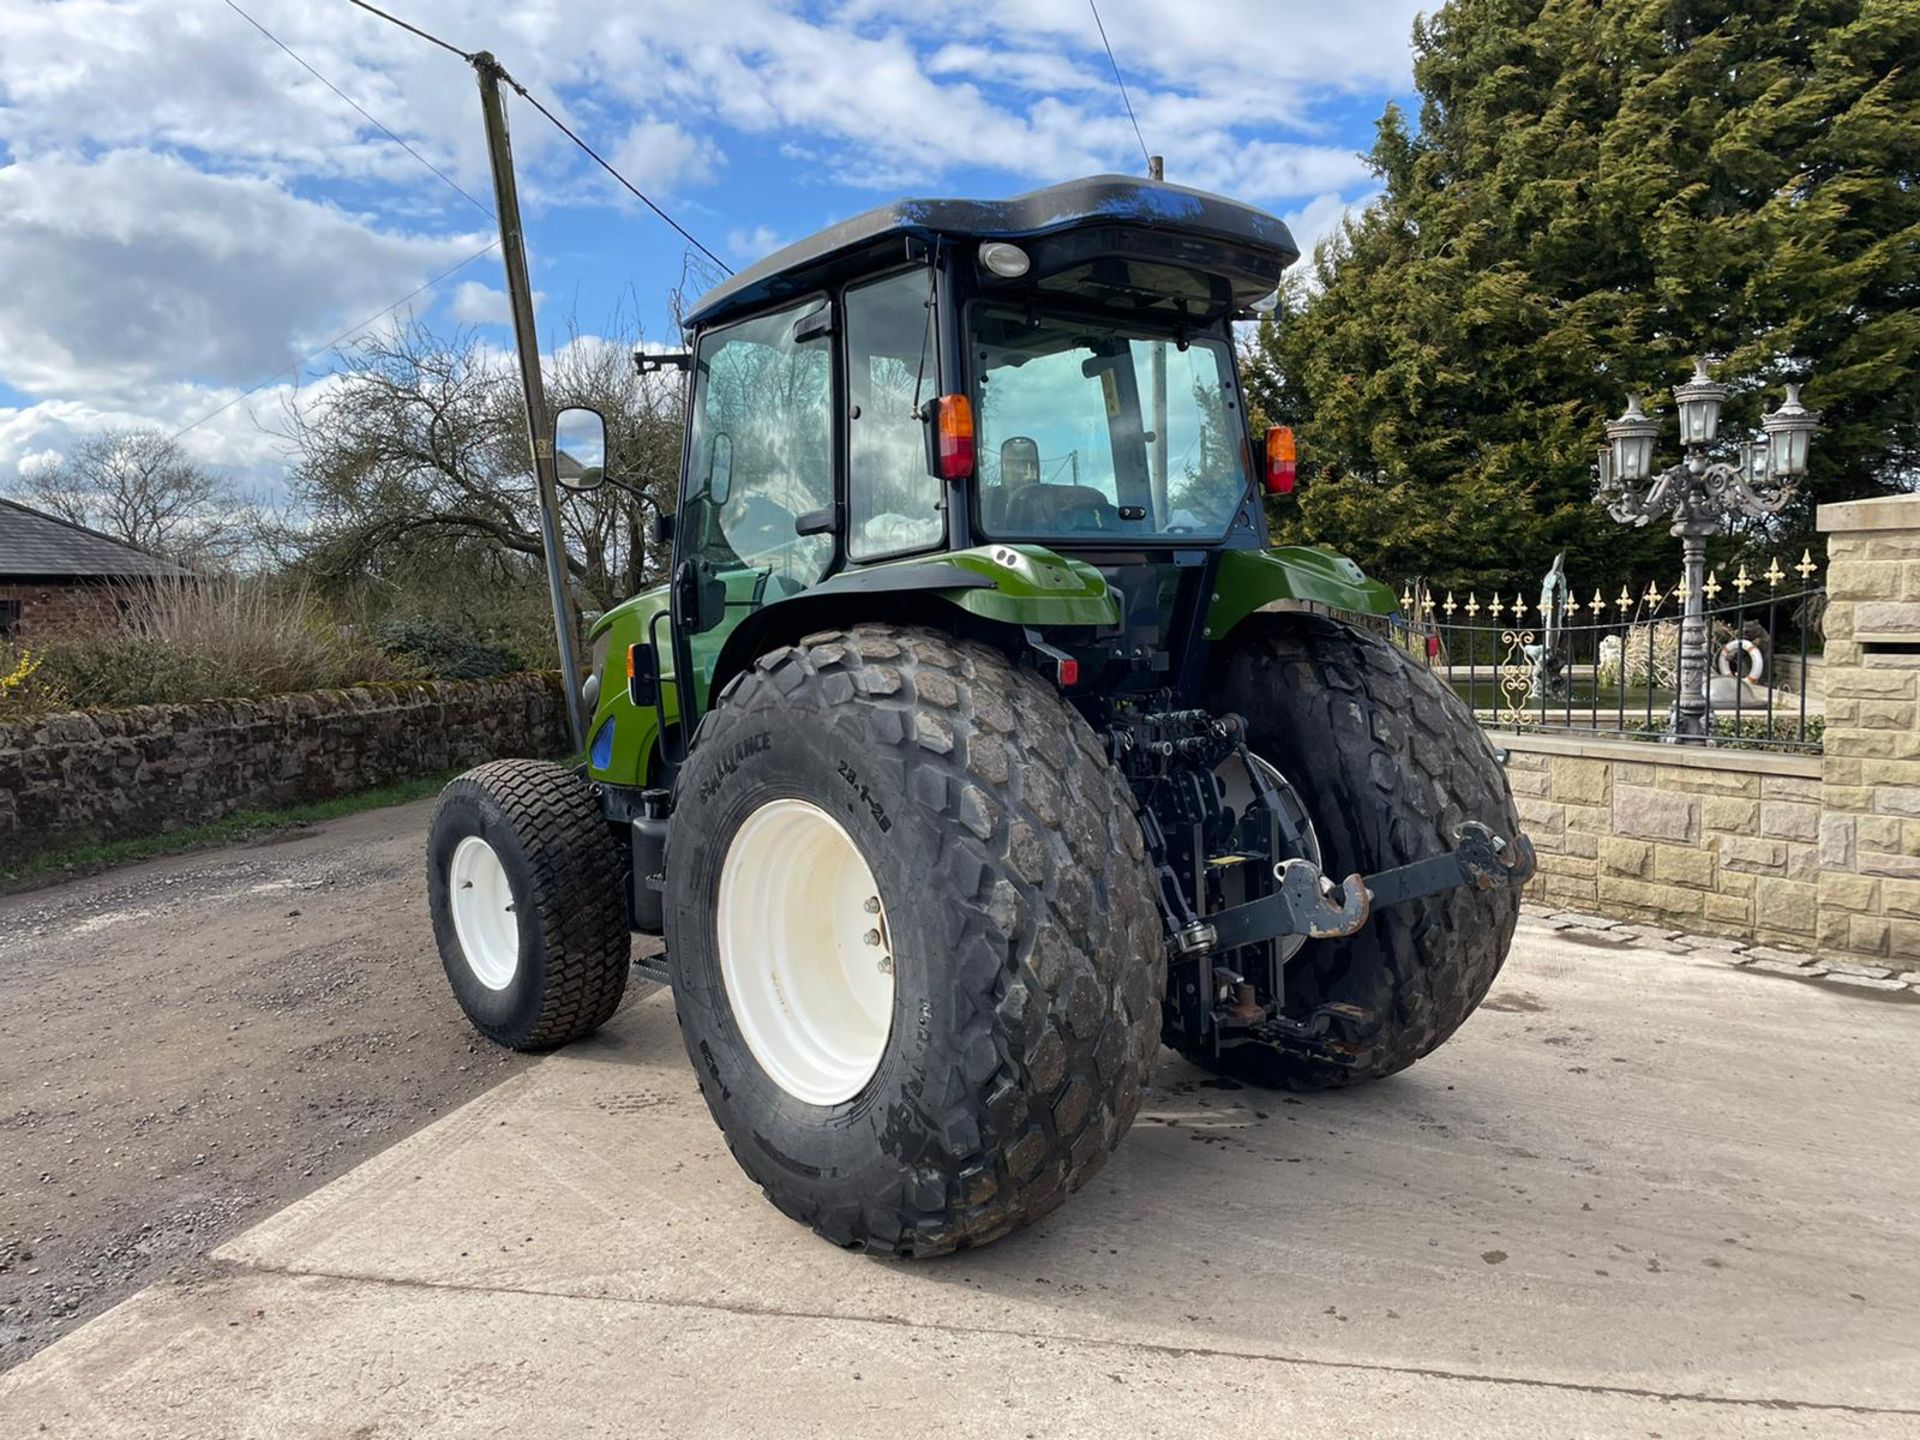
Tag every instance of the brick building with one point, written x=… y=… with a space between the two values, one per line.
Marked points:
x=58 y=578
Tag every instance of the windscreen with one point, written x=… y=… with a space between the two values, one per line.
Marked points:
x=1102 y=431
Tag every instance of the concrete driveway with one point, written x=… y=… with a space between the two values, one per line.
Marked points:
x=1642 y=1193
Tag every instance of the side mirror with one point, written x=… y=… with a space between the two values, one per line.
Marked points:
x=580 y=448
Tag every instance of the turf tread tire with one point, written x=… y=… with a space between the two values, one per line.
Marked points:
x=563 y=860
x=1041 y=942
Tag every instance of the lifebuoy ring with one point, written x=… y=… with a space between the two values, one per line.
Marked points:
x=1756 y=659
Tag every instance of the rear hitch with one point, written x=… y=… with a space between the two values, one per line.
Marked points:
x=1306 y=903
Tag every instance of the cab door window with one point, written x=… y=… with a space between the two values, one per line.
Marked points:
x=760 y=456
x=895 y=504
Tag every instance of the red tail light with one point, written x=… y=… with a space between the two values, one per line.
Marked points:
x=1280 y=456
x=953 y=421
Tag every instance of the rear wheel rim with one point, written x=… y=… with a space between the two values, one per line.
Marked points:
x=484 y=921
x=1239 y=794
x=805 y=953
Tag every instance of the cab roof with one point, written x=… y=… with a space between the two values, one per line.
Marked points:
x=1146 y=208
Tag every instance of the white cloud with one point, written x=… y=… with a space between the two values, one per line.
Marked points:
x=755 y=244
x=136 y=268
x=660 y=157
x=475 y=303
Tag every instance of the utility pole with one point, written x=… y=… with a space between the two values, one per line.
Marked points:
x=506 y=202
x=1157 y=455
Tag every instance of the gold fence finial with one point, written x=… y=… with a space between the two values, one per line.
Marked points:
x=1806 y=567
x=1494 y=607
x=1743 y=581
x=1406 y=597
x=1449 y=607
x=1712 y=587
x=1474 y=606
x=1625 y=602
x=1774 y=574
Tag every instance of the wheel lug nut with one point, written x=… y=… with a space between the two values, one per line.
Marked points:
x=873 y=905
x=886 y=965
x=873 y=937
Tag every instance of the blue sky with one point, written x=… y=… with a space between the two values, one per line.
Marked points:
x=184 y=211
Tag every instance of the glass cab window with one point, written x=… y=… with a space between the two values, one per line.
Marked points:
x=760 y=457
x=1098 y=430
x=895 y=505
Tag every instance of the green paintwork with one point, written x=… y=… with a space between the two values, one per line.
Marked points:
x=1031 y=586
x=1249 y=579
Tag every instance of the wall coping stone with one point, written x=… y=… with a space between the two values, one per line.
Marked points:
x=1885 y=512
x=1653 y=752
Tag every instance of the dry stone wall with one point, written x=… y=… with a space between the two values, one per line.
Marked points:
x=105 y=775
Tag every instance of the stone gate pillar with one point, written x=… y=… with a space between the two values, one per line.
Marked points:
x=1869 y=887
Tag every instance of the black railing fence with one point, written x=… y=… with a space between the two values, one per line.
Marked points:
x=1611 y=665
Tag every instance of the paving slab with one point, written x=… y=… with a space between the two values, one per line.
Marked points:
x=1638 y=1193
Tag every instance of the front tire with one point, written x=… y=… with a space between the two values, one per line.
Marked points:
x=917 y=955
x=527 y=888
x=1388 y=762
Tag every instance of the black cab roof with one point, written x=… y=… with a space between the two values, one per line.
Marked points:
x=1244 y=249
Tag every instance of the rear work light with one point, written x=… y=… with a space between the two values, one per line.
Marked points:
x=953 y=428
x=1280 y=456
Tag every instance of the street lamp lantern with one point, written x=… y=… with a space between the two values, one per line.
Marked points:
x=1698 y=495
x=1631 y=439
x=1700 y=400
x=1788 y=430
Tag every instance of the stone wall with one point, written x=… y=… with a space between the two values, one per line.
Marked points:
x=1811 y=853
x=113 y=774
x=1716 y=842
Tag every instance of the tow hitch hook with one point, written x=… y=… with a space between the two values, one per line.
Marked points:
x=1306 y=903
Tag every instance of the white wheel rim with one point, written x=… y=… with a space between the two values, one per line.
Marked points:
x=805 y=953
x=483 y=917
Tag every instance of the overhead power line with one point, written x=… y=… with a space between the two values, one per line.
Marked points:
x=466 y=55
x=370 y=118
x=562 y=127
x=300 y=365
x=632 y=189
x=1125 y=99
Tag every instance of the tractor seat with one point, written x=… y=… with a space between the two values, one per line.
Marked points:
x=1053 y=509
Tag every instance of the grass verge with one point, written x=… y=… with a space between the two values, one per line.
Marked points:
x=241 y=825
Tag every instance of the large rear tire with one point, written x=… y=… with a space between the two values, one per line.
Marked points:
x=1388 y=763
x=527 y=887
x=916 y=950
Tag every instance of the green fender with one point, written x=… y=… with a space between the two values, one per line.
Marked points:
x=1251 y=579
x=1009 y=584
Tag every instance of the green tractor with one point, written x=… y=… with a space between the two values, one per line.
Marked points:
x=980 y=743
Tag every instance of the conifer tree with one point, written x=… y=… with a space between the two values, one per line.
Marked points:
x=1597 y=188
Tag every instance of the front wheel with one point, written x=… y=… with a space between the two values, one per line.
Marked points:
x=527 y=887
x=917 y=955
x=1388 y=764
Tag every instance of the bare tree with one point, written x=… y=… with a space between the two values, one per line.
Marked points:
x=422 y=450
x=139 y=486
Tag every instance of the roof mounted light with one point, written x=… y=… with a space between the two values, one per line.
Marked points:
x=1266 y=304
x=1009 y=262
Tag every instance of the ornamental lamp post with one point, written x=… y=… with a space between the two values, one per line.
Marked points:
x=1699 y=495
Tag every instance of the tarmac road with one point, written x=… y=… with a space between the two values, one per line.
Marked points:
x=1643 y=1193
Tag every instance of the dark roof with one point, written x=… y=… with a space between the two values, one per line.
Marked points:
x=1100 y=200
x=43 y=547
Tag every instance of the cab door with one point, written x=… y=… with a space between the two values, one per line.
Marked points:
x=760 y=456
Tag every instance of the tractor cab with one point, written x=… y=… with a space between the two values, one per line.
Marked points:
x=1024 y=412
